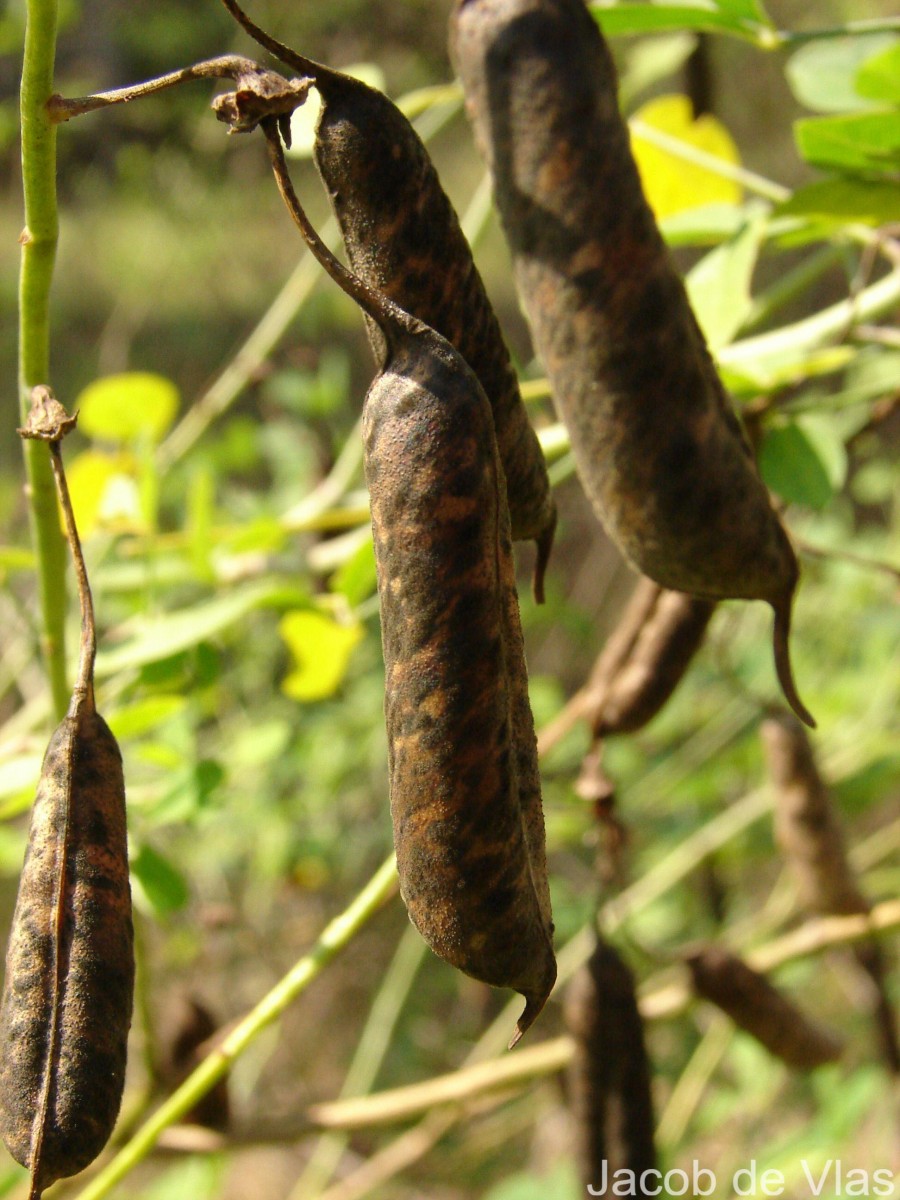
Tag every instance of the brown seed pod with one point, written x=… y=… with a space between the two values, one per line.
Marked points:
x=465 y=790
x=67 y=997
x=609 y=1078
x=404 y=239
x=809 y=832
x=761 y=1010
x=642 y=663
x=657 y=446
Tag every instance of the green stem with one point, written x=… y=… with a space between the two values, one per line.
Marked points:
x=217 y=1065
x=39 y=240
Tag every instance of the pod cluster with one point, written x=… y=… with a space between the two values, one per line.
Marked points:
x=462 y=754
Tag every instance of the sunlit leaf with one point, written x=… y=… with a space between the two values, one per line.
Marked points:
x=791 y=466
x=127 y=408
x=321 y=647
x=861 y=142
x=822 y=74
x=630 y=18
x=161 y=637
x=134 y=720
x=355 y=578
x=671 y=183
x=719 y=285
x=704 y=226
x=870 y=201
x=105 y=493
x=160 y=883
x=305 y=118
x=879 y=77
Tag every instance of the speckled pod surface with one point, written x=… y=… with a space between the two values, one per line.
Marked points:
x=67 y=998
x=657 y=446
x=403 y=237
x=465 y=791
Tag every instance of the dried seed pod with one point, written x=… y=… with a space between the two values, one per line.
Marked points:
x=761 y=1010
x=808 y=829
x=404 y=239
x=657 y=446
x=465 y=791
x=642 y=663
x=67 y=997
x=609 y=1078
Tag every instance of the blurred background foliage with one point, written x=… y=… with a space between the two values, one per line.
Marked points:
x=231 y=562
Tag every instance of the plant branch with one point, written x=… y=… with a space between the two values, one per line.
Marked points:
x=39 y=239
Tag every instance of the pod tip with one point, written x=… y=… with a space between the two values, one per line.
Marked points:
x=783 y=670
x=544 y=543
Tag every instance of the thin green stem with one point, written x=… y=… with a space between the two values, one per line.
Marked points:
x=849 y=29
x=828 y=325
x=217 y=1065
x=39 y=239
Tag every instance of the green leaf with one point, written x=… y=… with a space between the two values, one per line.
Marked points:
x=134 y=720
x=128 y=408
x=192 y=787
x=355 y=578
x=879 y=77
x=161 y=637
x=719 y=285
x=706 y=225
x=791 y=466
x=655 y=18
x=823 y=432
x=161 y=884
x=745 y=375
x=321 y=647
x=866 y=143
x=822 y=74
x=842 y=200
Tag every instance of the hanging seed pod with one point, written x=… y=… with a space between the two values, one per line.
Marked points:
x=404 y=239
x=808 y=830
x=67 y=997
x=642 y=663
x=609 y=1078
x=656 y=444
x=761 y=1010
x=668 y=640
x=465 y=793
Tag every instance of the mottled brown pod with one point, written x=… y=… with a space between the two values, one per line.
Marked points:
x=761 y=1010
x=404 y=239
x=67 y=997
x=465 y=790
x=657 y=446
x=609 y=1078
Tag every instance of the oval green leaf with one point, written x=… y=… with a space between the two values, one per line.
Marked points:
x=792 y=467
x=127 y=408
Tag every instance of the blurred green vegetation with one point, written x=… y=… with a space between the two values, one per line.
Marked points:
x=240 y=663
